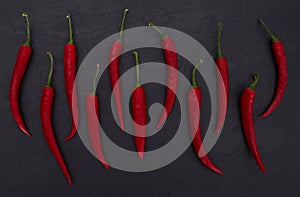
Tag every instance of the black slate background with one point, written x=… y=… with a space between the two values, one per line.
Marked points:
x=27 y=167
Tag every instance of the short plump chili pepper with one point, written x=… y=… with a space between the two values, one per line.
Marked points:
x=114 y=73
x=70 y=62
x=92 y=113
x=46 y=119
x=282 y=73
x=194 y=102
x=20 y=67
x=247 y=100
x=171 y=60
x=223 y=81
x=139 y=112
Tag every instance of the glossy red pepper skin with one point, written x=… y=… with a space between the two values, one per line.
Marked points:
x=139 y=113
x=70 y=62
x=282 y=73
x=20 y=67
x=247 y=100
x=114 y=73
x=46 y=119
x=223 y=84
x=92 y=113
x=223 y=93
x=282 y=77
x=172 y=61
x=194 y=102
x=222 y=65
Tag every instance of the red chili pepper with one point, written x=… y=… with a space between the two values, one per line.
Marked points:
x=70 y=62
x=171 y=59
x=247 y=100
x=46 y=119
x=282 y=75
x=21 y=64
x=194 y=102
x=114 y=73
x=139 y=112
x=223 y=93
x=92 y=112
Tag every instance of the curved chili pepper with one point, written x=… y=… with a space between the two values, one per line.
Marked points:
x=114 y=73
x=282 y=75
x=46 y=119
x=194 y=102
x=171 y=59
x=247 y=100
x=70 y=62
x=20 y=67
x=223 y=93
x=139 y=112
x=92 y=113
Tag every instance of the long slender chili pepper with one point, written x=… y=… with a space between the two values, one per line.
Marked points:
x=194 y=102
x=223 y=80
x=139 y=112
x=70 y=62
x=114 y=73
x=282 y=72
x=247 y=100
x=171 y=59
x=46 y=119
x=21 y=64
x=92 y=113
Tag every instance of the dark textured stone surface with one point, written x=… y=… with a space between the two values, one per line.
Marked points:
x=27 y=167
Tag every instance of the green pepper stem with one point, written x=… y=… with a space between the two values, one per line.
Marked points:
x=255 y=81
x=219 y=40
x=136 y=55
x=71 y=41
x=27 y=43
x=274 y=39
x=163 y=35
x=194 y=84
x=123 y=23
x=95 y=79
x=51 y=69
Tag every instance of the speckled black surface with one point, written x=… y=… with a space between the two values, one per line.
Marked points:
x=27 y=167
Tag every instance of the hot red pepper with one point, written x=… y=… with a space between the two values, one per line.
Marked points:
x=70 y=62
x=21 y=64
x=223 y=80
x=46 y=119
x=171 y=59
x=114 y=73
x=139 y=112
x=282 y=75
x=247 y=100
x=92 y=113
x=194 y=102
